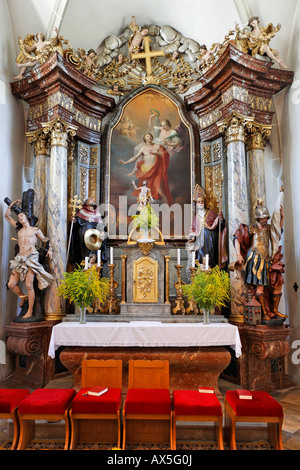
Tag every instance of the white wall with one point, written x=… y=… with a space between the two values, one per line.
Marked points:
x=290 y=127
x=11 y=176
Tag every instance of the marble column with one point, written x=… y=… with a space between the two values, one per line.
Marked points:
x=41 y=176
x=234 y=129
x=255 y=165
x=59 y=132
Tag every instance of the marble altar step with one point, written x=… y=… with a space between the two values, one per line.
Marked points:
x=151 y=316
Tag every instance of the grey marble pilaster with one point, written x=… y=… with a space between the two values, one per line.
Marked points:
x=57 y=214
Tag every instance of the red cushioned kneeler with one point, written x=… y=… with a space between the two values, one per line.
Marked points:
x=10 y=399
x=107 y=403
x=98 y=419
x=148 y=405
x=190 y=405
x=262 y=408
x=148 y=402
x=47 y=404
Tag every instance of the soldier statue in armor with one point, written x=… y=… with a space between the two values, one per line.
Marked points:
x=263 y=271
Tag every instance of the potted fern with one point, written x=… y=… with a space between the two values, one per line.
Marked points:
x=209 y=289
x=83 y=287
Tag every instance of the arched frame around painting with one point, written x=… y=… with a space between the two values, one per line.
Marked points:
x=176 y=172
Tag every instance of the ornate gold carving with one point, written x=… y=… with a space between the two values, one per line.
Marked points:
x=147 y=55
x=206 y=151
x=83 y=154
x=145 y=280
x=167 y=279
x=145 y=247
x=213 y=187
x=241 y=94
x=216 y=151
x=93 y=183
x=257 y=135
x=234 y=127
x=59 y=131
x=123 y=287
x=94 y=156
x=83 y=188
x=39 y=141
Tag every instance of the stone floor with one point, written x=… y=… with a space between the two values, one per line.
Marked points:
x=289 y=399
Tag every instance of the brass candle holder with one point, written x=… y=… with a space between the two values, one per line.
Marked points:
x=179 y=308
x=113 y=308
x=192 y=308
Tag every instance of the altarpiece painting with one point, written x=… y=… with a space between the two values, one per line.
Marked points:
x=169 y=175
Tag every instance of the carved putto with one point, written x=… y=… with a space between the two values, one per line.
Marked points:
x=148 y=54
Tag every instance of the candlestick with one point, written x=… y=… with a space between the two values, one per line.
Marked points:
x=193 y=259
x=179 y=302
x=98 y=258
x=192 y=308
x=111 y=255
x=113 y=307
x=86 y=262
x=178 y=256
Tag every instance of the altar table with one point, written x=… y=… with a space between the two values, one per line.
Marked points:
x=144 y=334
x=195 y=352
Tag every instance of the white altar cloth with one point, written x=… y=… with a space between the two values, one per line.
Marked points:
x=144 y=334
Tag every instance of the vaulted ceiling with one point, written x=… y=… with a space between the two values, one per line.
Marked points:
x=85 y=24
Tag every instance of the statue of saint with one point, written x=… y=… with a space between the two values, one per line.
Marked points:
x=88 y=217
x=26 y=266
x=263 y=271
x=205 y=231
x=144 y=194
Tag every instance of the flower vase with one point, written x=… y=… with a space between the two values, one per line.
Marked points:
x=82 y=315
x=206 y=316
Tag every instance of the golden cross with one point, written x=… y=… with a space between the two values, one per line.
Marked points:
x=148 y=54
x=74 y=204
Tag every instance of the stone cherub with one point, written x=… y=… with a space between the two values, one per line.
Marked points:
x=258 y=39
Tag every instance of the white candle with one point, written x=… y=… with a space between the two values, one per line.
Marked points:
x=206 y=261
x=98 y=258
x=178 y=256
x=111 y=255
x=193 y=259
x=86 y=262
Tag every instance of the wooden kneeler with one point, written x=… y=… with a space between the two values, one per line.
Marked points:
x=44 y=404
x=261 y=409
x=98 y=419
x=147 y=407
x=190 y=405
x=10 y=400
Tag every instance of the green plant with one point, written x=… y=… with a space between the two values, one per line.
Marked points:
x=209 y=289
x=146 y=219
x=82 y=287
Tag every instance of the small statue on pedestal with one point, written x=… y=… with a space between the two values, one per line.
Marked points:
x=204 y=232
x=26 y=266
x=263 y=273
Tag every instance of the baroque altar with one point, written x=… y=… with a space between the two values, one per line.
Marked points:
x=209 y=111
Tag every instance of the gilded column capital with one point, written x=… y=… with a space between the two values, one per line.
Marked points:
x=234 y=127
x=257 y=135
x=59 y=131
x=39 y=141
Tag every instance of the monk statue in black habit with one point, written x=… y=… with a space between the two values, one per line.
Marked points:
x=87 y=218
x=208 y=232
